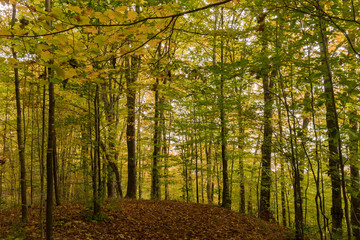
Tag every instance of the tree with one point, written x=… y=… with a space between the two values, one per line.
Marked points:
x=264 y=211
x=333 y=136
x=132 y=65
x=20 y=141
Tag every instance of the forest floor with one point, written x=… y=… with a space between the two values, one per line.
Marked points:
x=142 y=219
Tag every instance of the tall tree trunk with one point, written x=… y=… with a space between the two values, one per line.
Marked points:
x=282 y=180
x=333 y=137
x=155 y=173
x=265 y=189
x=296 y=172
x=41 y=160
x=5 y=149
x=113 y=167
x=241 y=142
x=209 y=182
x=138 y=145
x=56 y=170
x=132 y=65
x=166 y=146
x=348 y=9
x=354 y=169
x=196 y=158
x=110 y=181
x=226 y=201
x=20 y=140
x=96 y=178
x=265 y=185
x=50 y=146
x=50 y=161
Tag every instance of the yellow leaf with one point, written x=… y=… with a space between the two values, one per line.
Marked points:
x=14 y=63
x=88 y=11
x=110 y=14
x=43 y=47
x=56 y=12
x=102 y=58
x=70 y=73
x=132 y=15
x=93 y=74
x=89 y=68
x=4 y=32
x=121 y=9
x=99 y=39
x=91 y=30
x=84 y=20
x=17 y=48
x=60 y=27
x=75 y=9
x=45 y=55
x=100 y=16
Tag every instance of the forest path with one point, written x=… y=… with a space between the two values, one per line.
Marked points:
x=143 y=219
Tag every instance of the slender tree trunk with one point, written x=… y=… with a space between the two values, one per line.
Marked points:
x=50 y=161
x=196 y=160
x=139 y=158
x=50 y=147
x=209 y=181
x=155 y=173
x=265 y=185
x=110 y=181
x=96 y=160
x=131 y=76
x=226 y=201
x=265 y=212
x=166 y=142
x=1 y=182
x=202 y=173
x=113 y=167
x=56 y=170
x=348 y=9
x=241 y=144
x=5 y=149
x=333 y=137
x=42 y=164
x=354 y=169
x=20 y=140
x=296 y=172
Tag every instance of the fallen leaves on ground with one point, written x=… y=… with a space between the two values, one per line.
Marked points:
x=143 y=219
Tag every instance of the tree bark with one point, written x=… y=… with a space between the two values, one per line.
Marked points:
x=296 y=172
x=155 y=173
x=240 y=141
x=265 y=185
x=354 y=170
x=56 y=170
x=226 y=201
x=132 y=64
x=20 y=140
x=50 y=161
x=96 y=179
x=282 y=181
x=333 y=137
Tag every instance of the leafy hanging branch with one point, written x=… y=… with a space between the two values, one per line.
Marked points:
x=321 y=13
x=75 y=26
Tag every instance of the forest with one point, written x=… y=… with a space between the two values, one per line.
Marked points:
x=252 y=106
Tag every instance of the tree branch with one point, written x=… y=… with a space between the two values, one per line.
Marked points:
x=119 y=25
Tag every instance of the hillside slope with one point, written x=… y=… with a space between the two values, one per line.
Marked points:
x=144 y=219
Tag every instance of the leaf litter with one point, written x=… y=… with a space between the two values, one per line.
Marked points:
x=143 y=219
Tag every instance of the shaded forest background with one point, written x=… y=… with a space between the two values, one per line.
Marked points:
x=249 y=105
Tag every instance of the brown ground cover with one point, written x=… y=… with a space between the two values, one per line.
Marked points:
x=143 y=219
